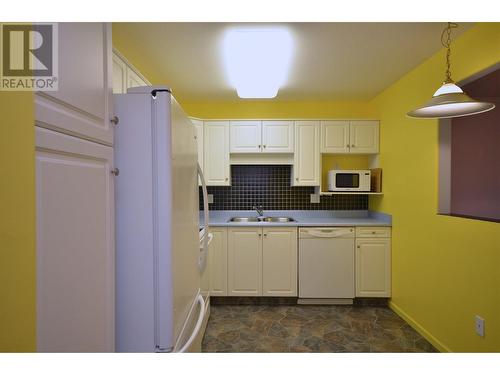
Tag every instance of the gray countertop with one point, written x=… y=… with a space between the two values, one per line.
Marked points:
x=320 y=218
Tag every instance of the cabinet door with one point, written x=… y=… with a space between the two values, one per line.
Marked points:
x=119 y=75
x=277 y=136
x=364 y=137
x=83 y=104
x=244 y=262
x=134 y=80
x=373 y=267
x=279 y=262
x=75 y=244
x=246 y=136
x=306 y=160
x=198 y=124
x=216 y=153
x=335 y=137
x=217 y=262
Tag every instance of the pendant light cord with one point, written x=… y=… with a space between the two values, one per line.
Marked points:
x=447 y=43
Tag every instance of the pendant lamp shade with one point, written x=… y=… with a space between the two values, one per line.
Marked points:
x=450 y=100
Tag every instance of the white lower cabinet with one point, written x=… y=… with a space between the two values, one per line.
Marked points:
x=244 y=258
x=217 y=262
x=373 y=267
x=279 y=262
x=261 y=262
x=255 y=261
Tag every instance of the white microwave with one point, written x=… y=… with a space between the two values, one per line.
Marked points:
x=349 y=180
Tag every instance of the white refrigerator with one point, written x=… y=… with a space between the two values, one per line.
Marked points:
x=161 y=254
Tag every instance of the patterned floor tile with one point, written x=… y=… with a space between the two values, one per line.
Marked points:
x=309 y=329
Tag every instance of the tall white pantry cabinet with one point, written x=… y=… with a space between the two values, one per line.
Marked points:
x=75 y=196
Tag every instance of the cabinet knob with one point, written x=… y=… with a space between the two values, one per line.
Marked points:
x=374 y=232
x=358 y=246
x=260 y=146
x=353 y=146
x=227 y=179
x=115 y=172
x=265 y=234
x=260 y=234
x=296 y=178
x=114 y=120
x=264 y=146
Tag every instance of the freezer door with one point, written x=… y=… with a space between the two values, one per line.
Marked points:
x=135 y=287
x=176 y=228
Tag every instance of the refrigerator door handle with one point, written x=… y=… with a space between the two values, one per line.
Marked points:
x=206 y=228
x=196 y=330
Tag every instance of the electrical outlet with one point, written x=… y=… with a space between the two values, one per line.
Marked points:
x=479 y=326
x=210 y=198
x=314 y=198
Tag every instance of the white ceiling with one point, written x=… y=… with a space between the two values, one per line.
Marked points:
x=332 y=61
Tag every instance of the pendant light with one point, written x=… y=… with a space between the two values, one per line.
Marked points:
x=449 y=100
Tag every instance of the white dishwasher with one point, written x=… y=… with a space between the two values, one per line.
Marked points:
x=326 y=265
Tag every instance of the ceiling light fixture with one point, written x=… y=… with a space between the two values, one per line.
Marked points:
x=257 y=60
x=449 y=100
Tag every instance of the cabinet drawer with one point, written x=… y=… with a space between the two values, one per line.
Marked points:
x=372 y=232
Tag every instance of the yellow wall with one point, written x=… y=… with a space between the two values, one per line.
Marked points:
x=17 y=223
x=280 y=109
x=445 y=269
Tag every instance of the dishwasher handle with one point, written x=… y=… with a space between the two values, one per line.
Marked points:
x=326 y=232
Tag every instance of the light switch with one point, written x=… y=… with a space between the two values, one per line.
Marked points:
x=314 y=198
x=210 y=198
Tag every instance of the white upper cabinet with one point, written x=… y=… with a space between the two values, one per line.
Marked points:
x=354 y=137
x=82 y=106
x=364 y=137
x=119 y=75
x=245 y=136
x=134 y=79
x=306 y=158
x=335 y=137
x=125 y=75
x=261 y=136
x=277 y=136
x=216 y=153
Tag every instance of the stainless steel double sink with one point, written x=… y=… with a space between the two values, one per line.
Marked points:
x=265 y=219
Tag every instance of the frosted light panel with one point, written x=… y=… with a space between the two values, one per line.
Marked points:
x=257 y=61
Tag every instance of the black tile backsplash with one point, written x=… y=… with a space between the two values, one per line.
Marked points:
x=269 y=186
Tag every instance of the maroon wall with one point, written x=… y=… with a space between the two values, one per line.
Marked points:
x=475 y=155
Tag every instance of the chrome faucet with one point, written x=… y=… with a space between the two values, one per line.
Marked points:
x=259 y=209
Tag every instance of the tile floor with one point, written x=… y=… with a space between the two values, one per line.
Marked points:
x=314 y=329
